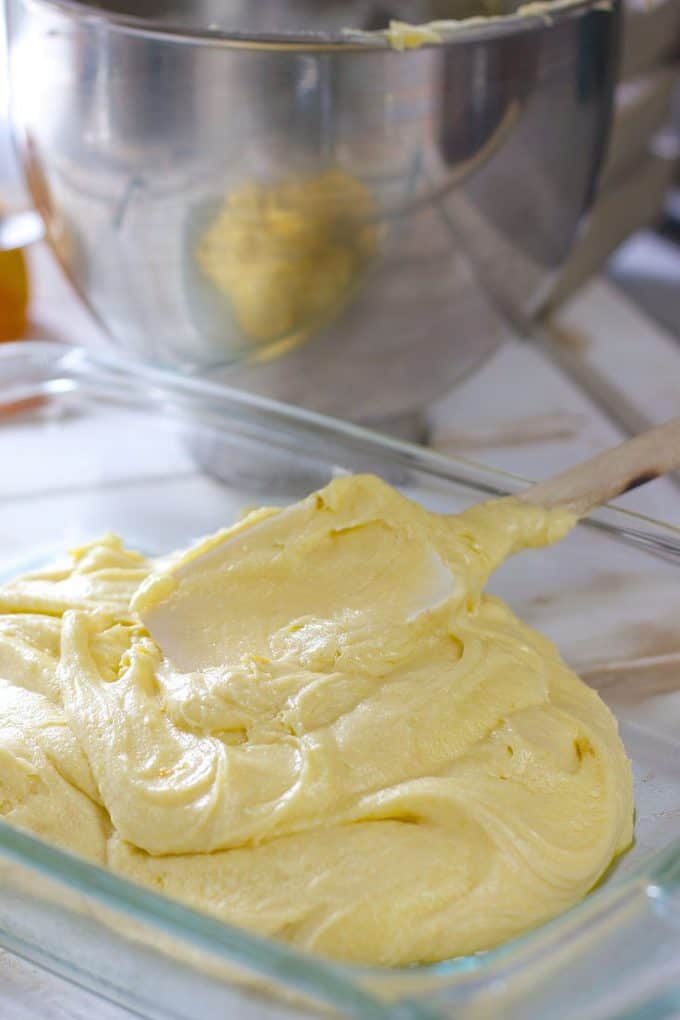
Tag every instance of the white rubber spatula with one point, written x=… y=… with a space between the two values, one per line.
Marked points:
x=202 y=615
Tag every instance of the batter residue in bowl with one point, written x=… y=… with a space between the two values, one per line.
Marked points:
x=288 y=254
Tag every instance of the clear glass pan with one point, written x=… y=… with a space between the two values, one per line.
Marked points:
x=87 y=446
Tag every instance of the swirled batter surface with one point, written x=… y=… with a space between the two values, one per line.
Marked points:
x=347 y=744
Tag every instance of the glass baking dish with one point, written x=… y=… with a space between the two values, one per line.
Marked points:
x=88 y=445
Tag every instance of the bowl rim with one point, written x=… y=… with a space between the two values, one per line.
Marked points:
x=539 y=14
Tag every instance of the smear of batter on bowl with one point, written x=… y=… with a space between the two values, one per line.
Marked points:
x=341 y=740
x=287 y=254
x=403 y=35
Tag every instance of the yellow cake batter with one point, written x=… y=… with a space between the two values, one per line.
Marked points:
x=287 y=254
x=353 y=748
x=404 y=35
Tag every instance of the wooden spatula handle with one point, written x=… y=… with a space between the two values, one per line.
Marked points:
x=609 y=474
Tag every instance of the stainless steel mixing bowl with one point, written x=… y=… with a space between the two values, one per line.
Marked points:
x=246 y=190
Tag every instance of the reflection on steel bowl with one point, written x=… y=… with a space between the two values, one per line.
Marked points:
x=287 y=255
x=251 y=192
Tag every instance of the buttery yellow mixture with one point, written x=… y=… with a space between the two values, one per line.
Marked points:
x=288 y=254
x=344 y=743
x=403 y=35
